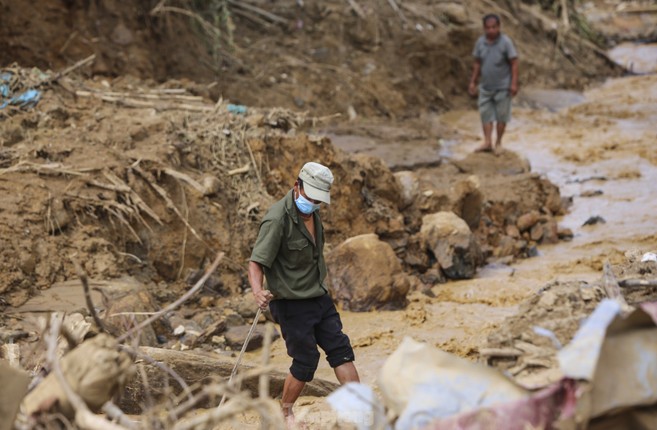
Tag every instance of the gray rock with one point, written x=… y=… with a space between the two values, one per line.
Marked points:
x=234 y=319
x=450 y=240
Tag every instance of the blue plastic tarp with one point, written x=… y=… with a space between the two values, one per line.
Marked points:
x=26 y=99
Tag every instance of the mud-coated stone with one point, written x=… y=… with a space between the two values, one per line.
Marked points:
x=528 y=220
x=366 y=274
x=536 y=232
x=550 y=232
x=506 y=246
x=565 y=233
x=235 y=337
x=512 y=231
x=233 y=319
x=469 y=201
x=450 y=240
x=245 y=305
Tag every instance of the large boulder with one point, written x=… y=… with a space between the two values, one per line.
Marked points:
x=452 y=243
x=366 y=274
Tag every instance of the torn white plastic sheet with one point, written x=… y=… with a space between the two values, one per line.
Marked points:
x=429 y=388
x=649 y=256
x=356 y=404
x=464 y=385
x=610 y=382
x=617 y=356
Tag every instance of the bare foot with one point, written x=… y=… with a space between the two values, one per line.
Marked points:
x=484 y=148
x=292 y=424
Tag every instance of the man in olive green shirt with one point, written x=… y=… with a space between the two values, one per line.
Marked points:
x=289 y=254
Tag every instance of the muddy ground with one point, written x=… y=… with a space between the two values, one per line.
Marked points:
x=134 y=168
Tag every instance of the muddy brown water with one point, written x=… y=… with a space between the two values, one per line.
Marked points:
x=597 y=146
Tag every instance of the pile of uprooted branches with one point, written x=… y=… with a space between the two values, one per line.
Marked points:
x=77 y=388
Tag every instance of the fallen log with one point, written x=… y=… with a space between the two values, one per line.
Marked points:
x=198 y=369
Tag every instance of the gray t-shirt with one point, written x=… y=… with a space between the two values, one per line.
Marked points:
x=495 y=66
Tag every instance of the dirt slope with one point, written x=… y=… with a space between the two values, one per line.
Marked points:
x=324 y=57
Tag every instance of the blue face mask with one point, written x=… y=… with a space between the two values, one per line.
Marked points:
x=305 y=206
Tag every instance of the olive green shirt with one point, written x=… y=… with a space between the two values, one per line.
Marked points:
x=293 y=264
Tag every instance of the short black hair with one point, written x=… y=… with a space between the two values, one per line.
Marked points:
x=300 y=181
x=491 y=16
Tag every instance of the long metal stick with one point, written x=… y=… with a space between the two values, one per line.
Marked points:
x=239 y=357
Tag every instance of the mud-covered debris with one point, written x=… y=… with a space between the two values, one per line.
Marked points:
x=96 y=370
x=596 y=219
x=13 y=389
x=557 y=307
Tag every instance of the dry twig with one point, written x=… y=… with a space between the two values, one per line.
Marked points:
x=82 y=274
x=239 y=357
x=638 y=283
x=266 y=14
x=356 y=8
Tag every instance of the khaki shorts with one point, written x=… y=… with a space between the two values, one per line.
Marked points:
x=494 y=106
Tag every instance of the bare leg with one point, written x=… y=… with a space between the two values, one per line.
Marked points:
x=291 y=391
x=488 y=138
x=501 y=126
x=346 y=373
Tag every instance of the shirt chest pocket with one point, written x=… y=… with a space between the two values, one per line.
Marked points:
x=299 y=251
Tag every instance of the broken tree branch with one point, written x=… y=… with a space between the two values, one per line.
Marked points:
x=239 y=170
x=395 y=7
x=185 y=178
x=637 y=283
x=266 y=351
x=87 y=296
x=356 y=8
x=266 y=14
x=68 y=70
x=500 y=352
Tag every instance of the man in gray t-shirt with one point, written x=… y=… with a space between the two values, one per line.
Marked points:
x=496 y=63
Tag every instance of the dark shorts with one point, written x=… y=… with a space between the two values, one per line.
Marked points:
x=307 y=323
